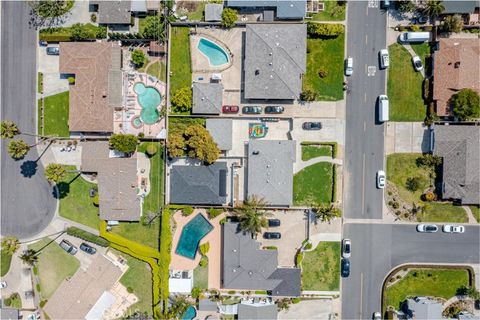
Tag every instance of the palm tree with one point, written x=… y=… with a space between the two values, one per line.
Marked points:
x=18 y=149
x=55 y=172
x=9 y=129
x=29 y=257
x=433 y=8
x=10 y=245
x=327 y=212
x=252 y=215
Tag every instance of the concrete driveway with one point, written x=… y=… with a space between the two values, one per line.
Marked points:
x=84 y=258
x=407 y=137
x=308 y=309
x=49 y=65
x=332 y=130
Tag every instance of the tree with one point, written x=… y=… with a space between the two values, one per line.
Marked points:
x=17 y=149
x=79 y=32
x=453 y=24
x=151 y=150
x=138 y=58
x=308 y=95
x=466 y=104
x=126 y=143
x=29 y=257
x=196 y=292
x=428 y=160
x=10 y=245
x=328 y=30
x=182 y=100
x=153 y=28
x=326 y=212
x=283 y=304
x=252 y=215
x=406 y=6
x=176 y=145
x=200 y=144
x=412 y=184
x=204 y=248
x=179 y=306
x=9 y=129
x=51 y=8
x=433 y=8
x=55 y=172
x=229 y=17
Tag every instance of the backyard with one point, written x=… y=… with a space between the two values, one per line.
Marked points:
x=314 y=184
x=315 y=151
x=54 y=265
x=200 y=277
x=55 y=113
x=404 y=86
x=332 y=12
x=158 y=70
x=321 y=268
x=181 y=64
x=193 y=9
x=442 y=283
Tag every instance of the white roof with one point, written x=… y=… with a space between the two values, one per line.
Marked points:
x=180 y=285
x=103 y=303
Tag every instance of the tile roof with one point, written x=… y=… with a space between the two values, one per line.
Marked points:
x=117 y=181
x=213 y=12
x=207 y=98
x=286 y=9
x=456 y=66
x=221 y=132
x=91 y=97
x=113 y=11
x=275 y=59
x=270 y=170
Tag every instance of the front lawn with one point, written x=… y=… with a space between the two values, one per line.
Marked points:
x=55 y=113
x=313 y=184
x=54 y=265
x=325 y=55
x=442 y=212
x=476 y=212
x=180 y=62
x=422 y=50
x=315 y=151
x=200 y=277
x=442 y=283
x=321 y=268
x=404 y=88
x=75 y=201
x=5 y=261
x=158 y=70
x=332 y=12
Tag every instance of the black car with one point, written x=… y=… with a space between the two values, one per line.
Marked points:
x=312 y=125
x=272 y=235
x=273 y=222
x=87 y=248
x=345 y=268
x=274 y=109
x=252 y=109
x=53 y=51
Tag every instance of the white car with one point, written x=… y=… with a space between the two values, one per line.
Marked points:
x=349 y=66
x=3 y=284
x=453 y=229
x=417 y=63
x=384 y=58
x=346 y=248
x=430 y=228
x=380 y=179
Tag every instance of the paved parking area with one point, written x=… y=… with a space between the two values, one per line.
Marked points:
x=49 y=65
x=332 y=130
x=84 y=258
x=407 y=137
x=308 y=309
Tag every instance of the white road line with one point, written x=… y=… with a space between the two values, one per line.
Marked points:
x=364 y=125
x=366 y=39
x=365 y=97
x=361 y=296
x=363 y=184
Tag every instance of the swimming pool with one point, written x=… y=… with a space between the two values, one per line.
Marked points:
x=149 y=99
x=192 y=233
x=215 y=54
x=189 y=314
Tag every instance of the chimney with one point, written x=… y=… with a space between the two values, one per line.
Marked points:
x=457 y=65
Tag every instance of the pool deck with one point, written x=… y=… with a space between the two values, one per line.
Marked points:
x=179 y=262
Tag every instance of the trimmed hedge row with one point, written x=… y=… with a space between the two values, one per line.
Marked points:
x=334 y=182
x=79 y=233
x=334 y=146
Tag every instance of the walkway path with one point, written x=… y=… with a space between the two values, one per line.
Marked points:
x=413 y=54
x=303 y=164
x=471 y=217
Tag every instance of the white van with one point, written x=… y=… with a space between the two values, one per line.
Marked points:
x=382 y=108
x=414 y=36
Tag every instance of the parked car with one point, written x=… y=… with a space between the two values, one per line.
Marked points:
x=345 y=268
x=230 y=109
x=68 y=247
x=384 y=58
x=349 y=66
x=274 y=109
x=42 y=43
x=274 y=222
x=312 y=125
x=377 y=316
x=53 y=51
x=427 y=228
x=272 y=235
x=346 y=248
x=252 y=110
x=414 y=37
x=383 y=108
x=87 y=248
x=453 y=229
x=417 y=63
x=380 y=179
x=3 y=284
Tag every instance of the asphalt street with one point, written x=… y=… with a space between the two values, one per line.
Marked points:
x=378 y=248
x=364 y=137
x=27 y=202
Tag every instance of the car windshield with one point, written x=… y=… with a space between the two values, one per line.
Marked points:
x=347 y=247
x=430 y=228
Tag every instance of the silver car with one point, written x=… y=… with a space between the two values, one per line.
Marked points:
x=349 y=66
x=429 y=228
x=346 y=248
x=380 y=179
x=384 y=58
x=448 y=228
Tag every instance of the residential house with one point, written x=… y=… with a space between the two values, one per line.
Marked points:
x=459 y=147
x=221 y=131
x=143 y=7
x=156 y=48
x=213 y=12
x=257 y=310
x=271 y=9
x=456 y=66
x=275 y=60
x=422 y=308
x=459 y=7
x=207 y=98
x=9 y=313
x=115 y=14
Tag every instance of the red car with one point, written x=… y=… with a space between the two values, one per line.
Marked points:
x=230 y=109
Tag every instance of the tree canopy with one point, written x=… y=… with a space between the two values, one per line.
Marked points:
x=466 y=104
x=154 y=28
x=229 y=17
x=9 y=129
x=453 y=23
x=433 y=8
x=18 y=149
x=55 y=172
x=252 y=215
x=182 y=100
x=10 y=245
x=126 y=143
x=138 y=58
x=51 y=8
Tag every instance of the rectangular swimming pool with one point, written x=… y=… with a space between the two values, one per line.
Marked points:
x=192 y=233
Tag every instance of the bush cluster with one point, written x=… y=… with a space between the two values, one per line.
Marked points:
x=79 y=233
x=324 y=30
x=214 y=212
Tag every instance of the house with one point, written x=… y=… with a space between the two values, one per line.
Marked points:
x=117 y=181
x=221 y=132
x=456 y=67
x=279 y=9
x=247 y=267
x=422 y=308
x=156 y=48
x=96 y=67
x=205 y=304
x=143 y=7
x=9 y=313
x=207 y=98
x=115 y=14
x=275 y=60
x=257 y=310
x=213 y=12
x=459 y=147
x=270 y=171
x=199 y=184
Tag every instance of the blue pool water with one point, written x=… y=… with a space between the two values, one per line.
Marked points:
x=192 y=233
x=189 y=314
x=149 y=99
x=215 y=54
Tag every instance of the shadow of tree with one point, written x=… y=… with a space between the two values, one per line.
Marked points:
x=63 y=190
x=28 y=168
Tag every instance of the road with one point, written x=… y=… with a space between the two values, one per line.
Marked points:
x=378 y=248
x=364 y=138
x=27 y=203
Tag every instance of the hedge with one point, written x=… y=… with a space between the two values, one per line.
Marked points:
x=298 y=259
x=334 y=183
x=334 y=145
x=79 y=233
x=214 y=212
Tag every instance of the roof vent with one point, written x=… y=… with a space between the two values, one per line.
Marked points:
x=250 y=272
x=257 y=72
x=457 y=65
x=270 y=54
x=234 y=270
x=256 y=152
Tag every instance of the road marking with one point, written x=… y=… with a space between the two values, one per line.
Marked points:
x=366 y=11
x=372 y=4
x=366 y=68
x=363 y=184
x=365 y=97
x=371 y=71
x=366 y=39
x=365 y=122
x=361 y=296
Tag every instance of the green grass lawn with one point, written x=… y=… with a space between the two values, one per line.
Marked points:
x=321 y=267
x=158 y=70
x=200 y=277
x=442 y=212
x=13 y=301
x=476 y=212
x=404 y=88
x=56 y=115
x=330 y=13
x=313 y=184
x=54 y=265
x=180 y=63
x=195 y=13
x=5 y=260
x=421 y=49
x=75 y=201
x=326 y=54
x=441 y=283
x=313 y=151
x=40 y=82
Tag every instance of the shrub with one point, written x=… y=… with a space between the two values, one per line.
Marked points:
x=296 y=300
x=43 y=303
x=35 y=270
x=151 y=150
x=79 y=233
x=186 y=211
x=232 y=292
x=196 y=292
x=308 y=95
x=203 y=262
x=428 y=160
x=71 y=80
x=324 y=30
x=37 y=287
x=141 y=135
x=322 y=73
x=395 y=205
x=7 y=302
x=223 y=221
x=154 y=28
x=308 y=246
x=466 y=104
x=182 y=100
x=402 y=28
x=214 y=212
x=229 y=17
x=93 y=17
x=412 y=184
x=298 y=259
x=270 y=248
x=426 y=89
x=95 y=200
x=138 y=58
x=204 y=248
x=129 y=289
x=415 y=28
x=429 y=196
x=126 y=143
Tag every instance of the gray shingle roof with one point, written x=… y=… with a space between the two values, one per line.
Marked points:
x=251 y=312
x=247 y=267
x=202 y=184
x=213 y=12
x=275 y=59
x=424 y=308
x=113 y=11
x=207 y=98
x=270 y=170
x=459 y=6
x=460 y=148
x=221 y=132
x=286 y=9
x=207 y=305
x=9 y=314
